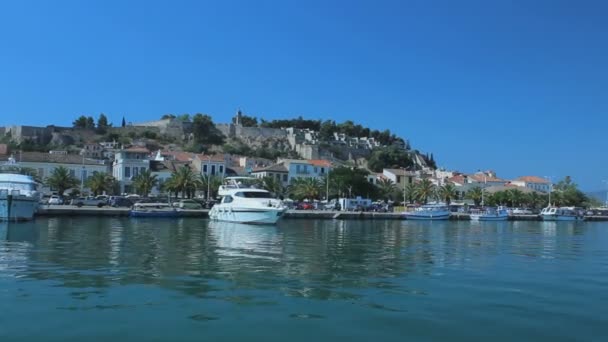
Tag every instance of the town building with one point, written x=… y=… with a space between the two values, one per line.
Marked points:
x=400 y=177
x=277 y=171
x=44 y=163
x=128 y=163
x=306 y=168
x=533 y=182
x=210 y=165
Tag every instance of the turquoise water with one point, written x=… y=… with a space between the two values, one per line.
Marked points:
x=86 y=279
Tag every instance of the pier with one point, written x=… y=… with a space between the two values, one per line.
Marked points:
x=69 y=210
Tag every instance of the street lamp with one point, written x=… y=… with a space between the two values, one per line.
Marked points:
x=550 y=187
x=606 y=182
x=82 y=173
x=208 y=178
x=403 y=179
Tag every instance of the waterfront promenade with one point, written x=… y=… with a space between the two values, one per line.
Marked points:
x=68 y=210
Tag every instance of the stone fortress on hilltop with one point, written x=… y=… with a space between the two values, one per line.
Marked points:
x=304 y=142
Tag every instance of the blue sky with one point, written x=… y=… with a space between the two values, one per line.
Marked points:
x=519 y=87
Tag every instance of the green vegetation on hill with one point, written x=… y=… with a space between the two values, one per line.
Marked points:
x=389 y=157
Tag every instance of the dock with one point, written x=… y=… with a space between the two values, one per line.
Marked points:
x=69 y=210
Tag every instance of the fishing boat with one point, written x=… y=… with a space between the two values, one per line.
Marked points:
x=491 y=214
x=429 y=212
x=561 y=214
x=18 y=197
x=153 y=210
x=243 y=202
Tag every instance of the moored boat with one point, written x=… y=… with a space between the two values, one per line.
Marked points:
x=18 y=197
x=429 y=212
x=153 y=210
x=561 y=214
x=242 y=202
x=491 y=214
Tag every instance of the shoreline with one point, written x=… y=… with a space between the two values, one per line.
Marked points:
x=68 y=210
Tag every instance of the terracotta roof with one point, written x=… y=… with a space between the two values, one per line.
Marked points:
x=532 y=179
x=481 y=178
x=457 y=179
x=178 y=155
x=42 y=157
x=280 y=167
x=214 y=157
x=319 y=162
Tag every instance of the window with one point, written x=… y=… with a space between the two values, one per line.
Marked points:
x=228 y=199
x=84 y=174
x=135 y=172
x=254 y=194
x=284 y=178
x=205 y=168
x=298 y=168
x=278 y=177
x=213 y=170
x=322 y=170
x=316 y=169
x=398 y=179
x=221 y=169
x=127 y=172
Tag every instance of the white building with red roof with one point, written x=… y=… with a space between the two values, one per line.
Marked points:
x=533 y=182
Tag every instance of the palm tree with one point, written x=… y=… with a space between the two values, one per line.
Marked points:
x=61 y=179
x=272 y=185
x=183 y=180
x=306 y=188
x=424 y=190
x=386 y=188
x=475 y=194
x=100 y=182
x=211 y=183
x=410 y=192
x=447 y=192
x=144 y=182
x=515 y=197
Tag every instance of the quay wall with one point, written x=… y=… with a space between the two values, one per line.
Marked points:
x=67 y=210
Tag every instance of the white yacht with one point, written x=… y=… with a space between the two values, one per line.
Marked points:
x=491 y=214
x=429 y=212
x=561 y=214
x=18 y=197
x=242 y=202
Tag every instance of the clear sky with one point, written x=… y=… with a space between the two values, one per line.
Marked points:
x=520 y=87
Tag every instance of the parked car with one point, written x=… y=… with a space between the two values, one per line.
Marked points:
x=305 y=206
x=187 y=204
x=522 y=211
x=88 y=201
x=55 y=200
x=119 y=201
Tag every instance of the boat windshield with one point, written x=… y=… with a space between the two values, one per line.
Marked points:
x=253 y=194
x=18 y=186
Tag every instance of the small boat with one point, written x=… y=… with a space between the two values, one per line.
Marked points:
x=153 y=210
x=561 y=214
x=18 y=197
x=243 y=202
x=429 y=212
x=491 y=214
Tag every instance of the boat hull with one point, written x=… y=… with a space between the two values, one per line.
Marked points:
x=251 y=216
x=137 y=213
x=17 y=208
x=561 y=218
x=489 y=217
x=428 y=216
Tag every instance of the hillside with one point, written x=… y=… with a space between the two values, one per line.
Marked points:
x=346 y=142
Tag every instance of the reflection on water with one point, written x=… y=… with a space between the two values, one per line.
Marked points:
x=417 y=269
